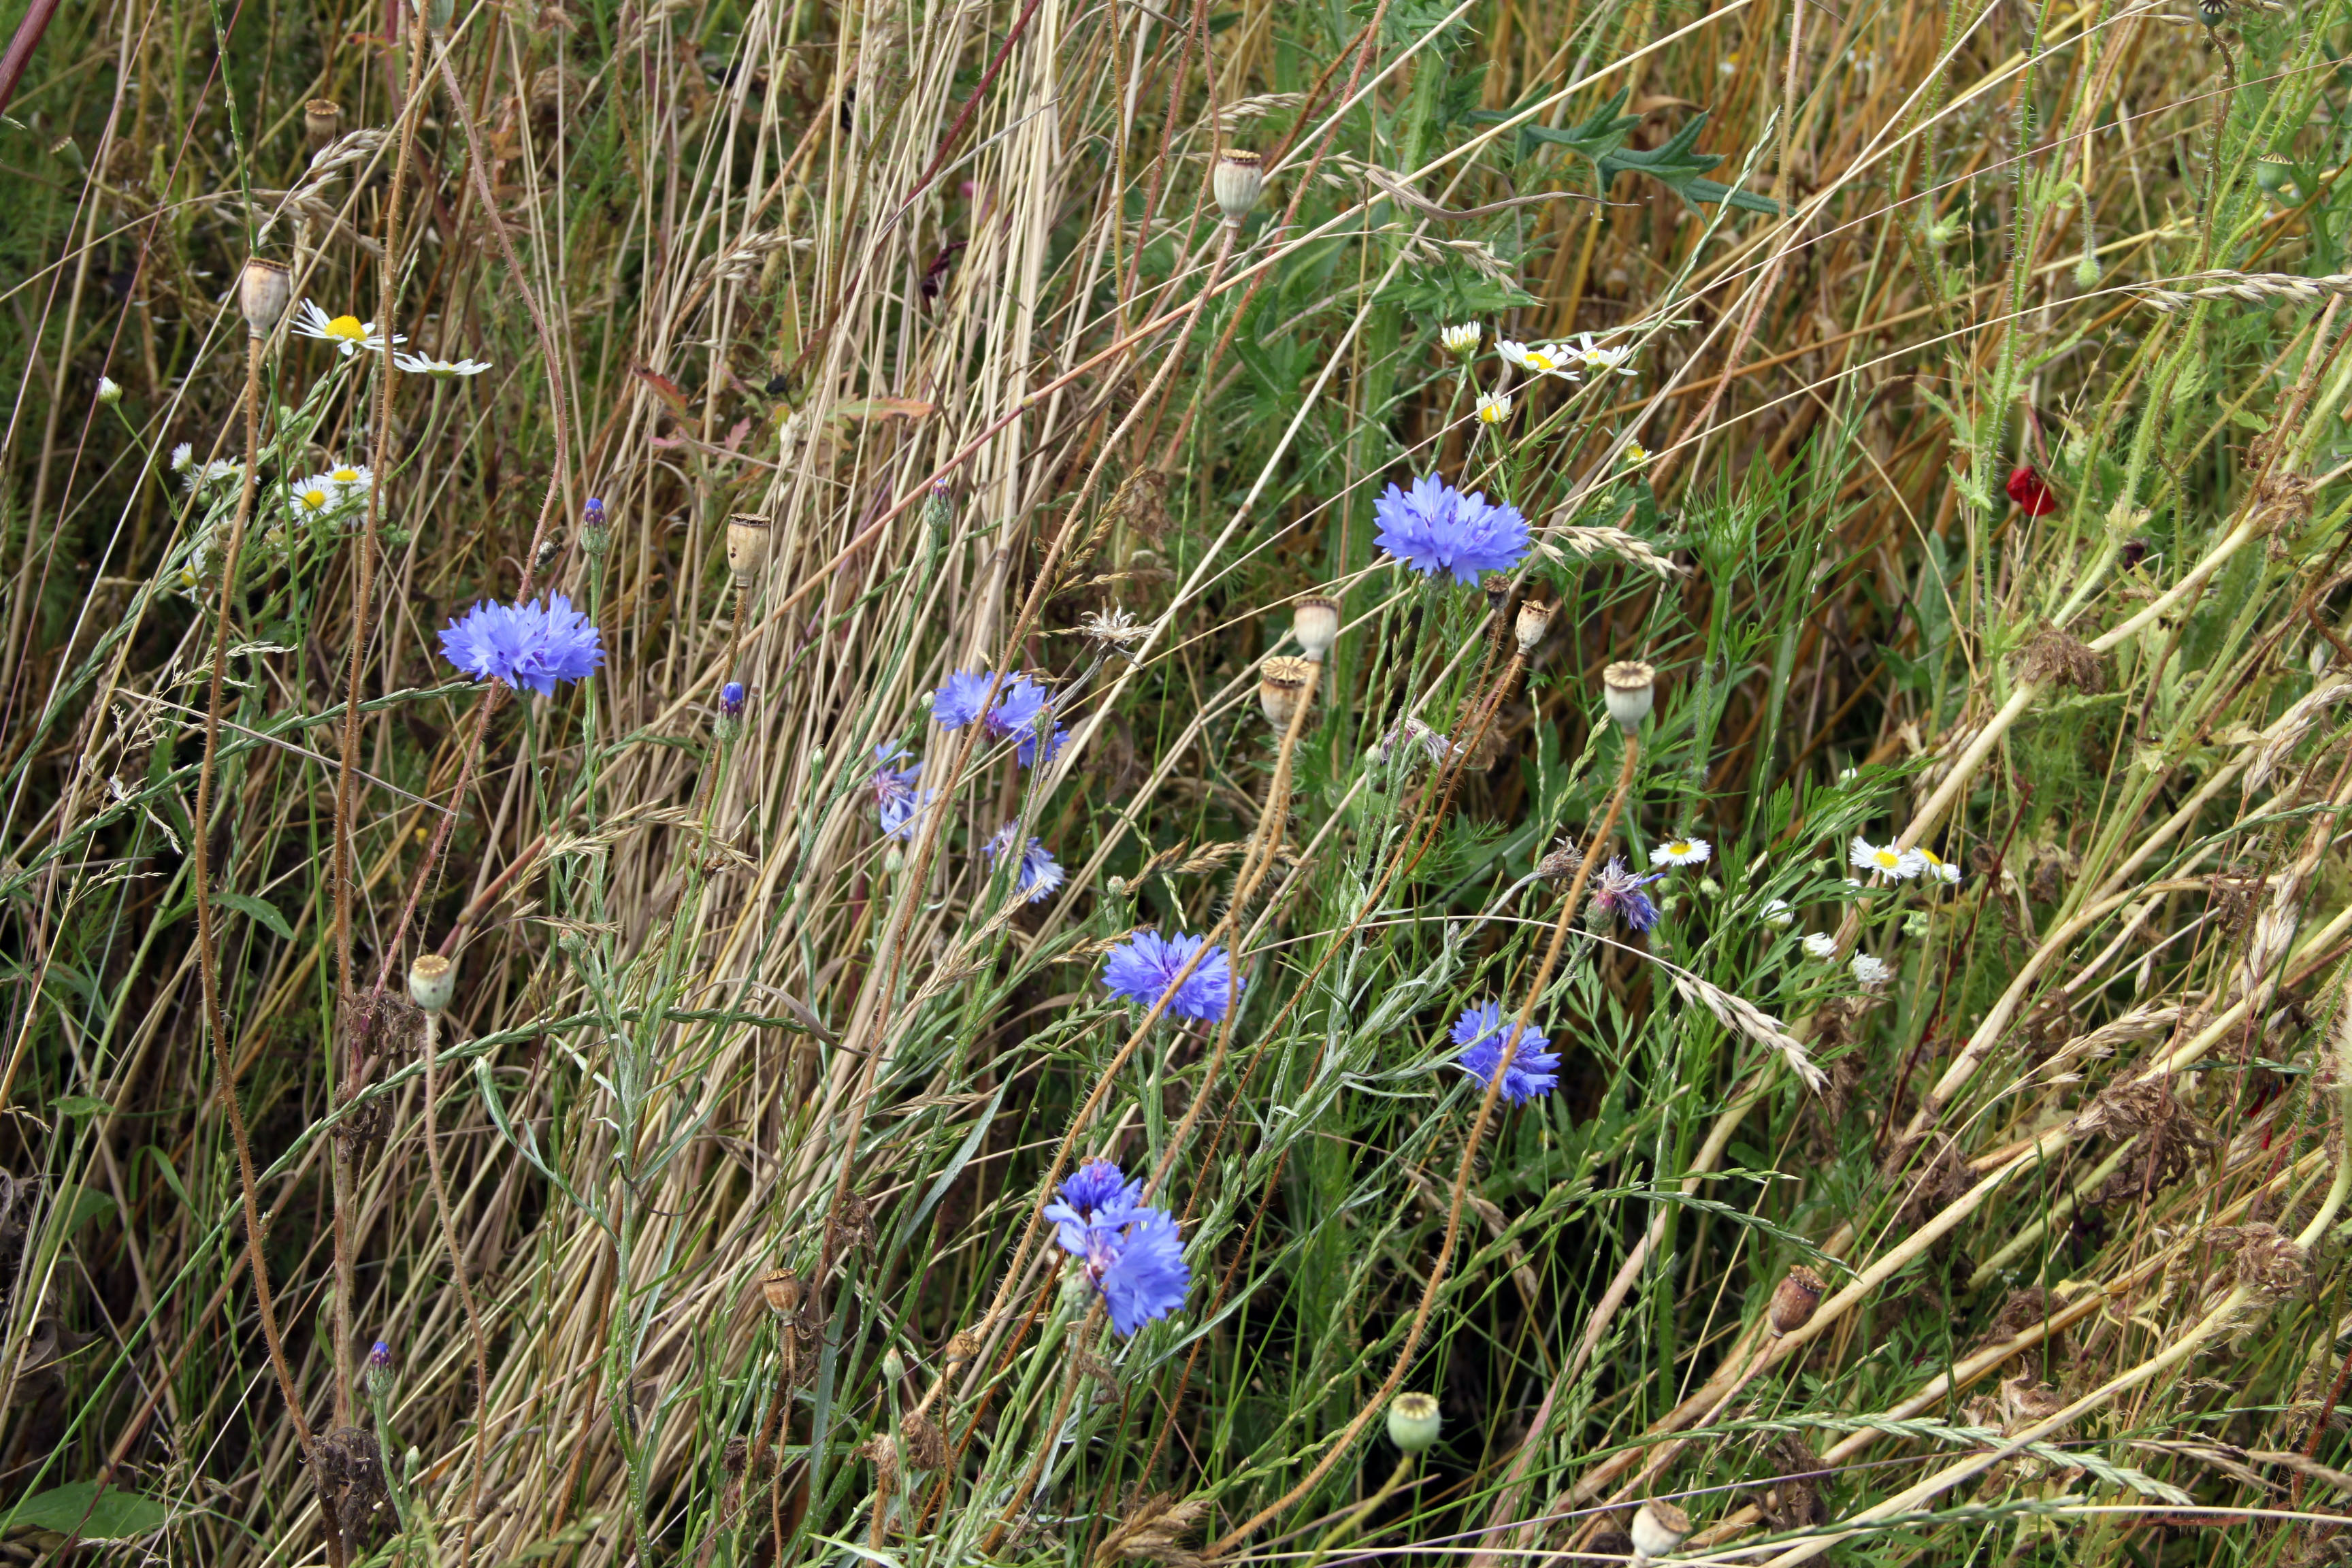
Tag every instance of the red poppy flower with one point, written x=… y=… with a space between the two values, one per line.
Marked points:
x=2026 y=488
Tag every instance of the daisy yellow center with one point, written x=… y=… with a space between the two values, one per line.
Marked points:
x=345 y=475
x=346 y=327
x=1539 y=360
x=1679 y=846
x=314 y=498
x=1887 y=859
x=1491 y=413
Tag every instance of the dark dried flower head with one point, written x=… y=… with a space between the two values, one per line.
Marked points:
x=736 y=1456
x=1154 y=1530
x=2270 y=1263
x=1559 y=866
x=851 y=1223
x=927 y=1446
x=1793 y=1300
x=2052 y=656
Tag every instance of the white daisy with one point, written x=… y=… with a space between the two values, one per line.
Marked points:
x=1635 y=455
x=1461 y=338
x=352 y=480
x=1602 y=360
x=347 y=333
x=1936 y=866
x=1777 y=912
x=419 y=364
x=109 y=391
x=1494 y=407
x=316 y=495
x=1537 y=359
x=182 y=456
x=1820 y=945
x=200 y=476
x=1870 y=971
x=1681 y=852
x=1901 y=865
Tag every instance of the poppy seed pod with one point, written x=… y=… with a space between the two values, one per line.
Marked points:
x=1630 y=688
x=322 y=121
x=432 y=981
x=1315 y=623
x=1413 y=1421
x=1793 y=1300
x=1535 y=619
x=746 y=544
x=1658 y=1528
x=782 y=1289
x=1280 y=684
x=1240 y=176
x=264 y=290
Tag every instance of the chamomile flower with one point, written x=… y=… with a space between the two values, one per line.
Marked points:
x=1870 y=971
x=1494 y=407
x=1820 y=945
x=1681 y=852
x=1777 y=912
x=182 y=456
x=1601 y=360
x=1899 y=865
x=423 y=365
x=1635 y=455
x=352 y=481
x=315 y=497
x=1539 y=359
x=1937 y=868
x=198 y=476
x=1460 y=339
x=347 y=333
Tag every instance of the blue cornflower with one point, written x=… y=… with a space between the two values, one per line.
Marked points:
x=1021 y=710
x=1619 y=890
x=731 y=699
x=1040 y=872
x=1133 y=1254
x=1481 y=1030
x=530 y=646
x=895 y=798
x=1435 y=528
x=1142 y=967
x=957 y=701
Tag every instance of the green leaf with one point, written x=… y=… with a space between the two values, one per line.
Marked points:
x=78 y=1507
x=256 y=908
x=87 y=1207
x=1601 y=139
x=78 y=1105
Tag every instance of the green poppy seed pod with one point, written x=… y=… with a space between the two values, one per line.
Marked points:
x=1414 y=1422
x=1658 y=1528
x=432 y=981
x=1315 y=622
x=264 y=290
x=746 y=544
x=1237 y=181
x=1533 y=620
x=1630 y=689
x=322 y=121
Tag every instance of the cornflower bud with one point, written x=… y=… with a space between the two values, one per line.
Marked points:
x=264 y=290
x=379 y=1370
x=1413 y=1421
x=1793 y=1300
x=1631 y=690
x=1535 y=619
x=432 y=981
x=1280 y=682
x=747 y=545
x=595 y=535
x=730 y=710
x=1658 y=1528
x=322 y=121
x=1239 y=179
x=1315 y=622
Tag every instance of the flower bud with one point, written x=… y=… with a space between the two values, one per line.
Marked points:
x=2086 y=272
x=1630 y=689
x=1535 y=619
x=1315 y=622
x=378 y=1374
x=596 y=533
x=1281 y=683
x=730 y=710
x=432 y=980
x=894 y=1365
x=1658 y=1528
x=1239 y=178
x=1413 y=1421
x=747 y=545
x=1793 y=1300
x=264 y=290
x=1460 y=339
x=939 y=511
x=322 y=121
x=109 y=391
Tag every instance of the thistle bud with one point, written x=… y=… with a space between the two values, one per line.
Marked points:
x=1239 y=178
x=894 y=1365
x=1281 y=683
x=1658 y=1528
x=264 y=290
x=781 y=1288
x=747 y=545
x=1414 y=1422
x=1630 y=689
x=322 y=121
x=109 y=391
x=596 y=533
x=1793 y=1300
x=1535 y=619
x=1315 y=623
x=432 y=980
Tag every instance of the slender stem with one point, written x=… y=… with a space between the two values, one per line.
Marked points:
x=465 y=1290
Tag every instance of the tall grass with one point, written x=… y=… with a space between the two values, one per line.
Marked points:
x=1979 y=487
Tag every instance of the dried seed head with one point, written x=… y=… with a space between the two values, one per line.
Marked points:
x=432 y=980
x=927 y=1446
x=1413 y=1421
x=1315 y=622
x=264 y=290
x=736 y=1456
x=322 y=121
x=782 y=1290
x=1498 y=589
x=1631 y=690
x=961 y=1346
x=1561 y=865
x=1239 y=179
x=1793 y=1300
x=1281 y=683
x=1658 y=1528
x=1535 y=619
x=746 y=544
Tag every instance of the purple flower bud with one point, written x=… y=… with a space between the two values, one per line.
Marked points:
x=731 y=699
x=593 y=514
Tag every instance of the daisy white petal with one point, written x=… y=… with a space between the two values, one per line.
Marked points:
x=420 y=364
x=1538 y=359
x=1820 y=945
x=1681 y=852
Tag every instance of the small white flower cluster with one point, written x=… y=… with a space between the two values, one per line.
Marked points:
x=1562 y=359
x=1902 y=865
x=324 y=495
x=198 y=476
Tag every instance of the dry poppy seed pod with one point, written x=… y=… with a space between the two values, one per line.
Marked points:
x=1658 y=1528
x=264 y=290
x=1281 y=683
x=1535 y=619
x=1793 y=1300
x=1413 y=1421
x=322 y=121
x=782 y=1289
x=1240 y=176
x=1315 y=623
x=746 y=544
x=432 y=980
x=1630 y=688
